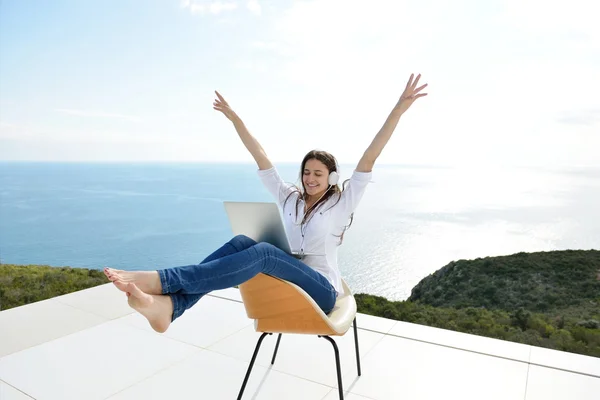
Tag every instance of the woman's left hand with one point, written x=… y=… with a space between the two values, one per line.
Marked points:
x=410 y=94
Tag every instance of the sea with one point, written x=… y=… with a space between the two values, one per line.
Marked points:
x=411 y=221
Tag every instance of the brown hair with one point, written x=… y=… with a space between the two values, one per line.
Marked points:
x=331 y=165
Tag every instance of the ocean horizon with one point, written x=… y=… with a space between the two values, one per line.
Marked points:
x=411 y=221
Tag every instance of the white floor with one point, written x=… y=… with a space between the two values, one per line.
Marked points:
x=90 y=345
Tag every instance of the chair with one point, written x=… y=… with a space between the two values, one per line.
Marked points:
x=278 y=306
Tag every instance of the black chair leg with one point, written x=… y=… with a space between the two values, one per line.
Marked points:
x=338 y=366
x=356 y=346
x=276 y=348
x=260 y=339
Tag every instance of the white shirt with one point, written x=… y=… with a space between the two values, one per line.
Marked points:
x=321 y=234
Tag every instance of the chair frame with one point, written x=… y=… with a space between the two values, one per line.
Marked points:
x=327 y=337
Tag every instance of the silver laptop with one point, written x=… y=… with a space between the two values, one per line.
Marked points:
x=261 y=222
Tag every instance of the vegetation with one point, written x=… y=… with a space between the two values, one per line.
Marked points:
x=23 y=284
x=560 y=332
x=538 y=282
x=547 y=299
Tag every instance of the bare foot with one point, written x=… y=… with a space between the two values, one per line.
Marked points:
x=158 y=309
x=147 y=281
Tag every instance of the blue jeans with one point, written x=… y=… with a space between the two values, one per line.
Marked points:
x=234 y=263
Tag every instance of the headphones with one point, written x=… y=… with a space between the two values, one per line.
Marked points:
x=334 y=176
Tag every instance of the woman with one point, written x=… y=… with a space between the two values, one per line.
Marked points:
x=315 y=219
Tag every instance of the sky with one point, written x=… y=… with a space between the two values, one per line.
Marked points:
x=511 y=82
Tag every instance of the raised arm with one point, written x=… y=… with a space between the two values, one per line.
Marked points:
x=410 y=94
x=249 y=141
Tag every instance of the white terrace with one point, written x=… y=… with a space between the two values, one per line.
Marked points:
x=90 y=345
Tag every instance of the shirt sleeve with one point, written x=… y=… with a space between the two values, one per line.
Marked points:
x=352 y=195
x=275 y=185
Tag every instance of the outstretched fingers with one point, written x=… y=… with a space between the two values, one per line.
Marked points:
x=220 y=104
x=221 y=98
x=411 y=86
x=411 y=93
x=416 y=82
x=409 y=83
x=417 y=90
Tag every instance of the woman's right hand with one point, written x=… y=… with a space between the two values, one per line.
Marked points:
x=249 y=141
x=221 y=105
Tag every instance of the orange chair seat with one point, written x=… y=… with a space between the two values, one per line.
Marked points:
x=279 y=306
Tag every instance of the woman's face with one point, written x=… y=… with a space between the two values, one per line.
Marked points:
x=315 y=178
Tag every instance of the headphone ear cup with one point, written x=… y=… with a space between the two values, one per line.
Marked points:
x=333 y=178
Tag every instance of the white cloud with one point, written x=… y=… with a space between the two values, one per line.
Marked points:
x=575 y=19
x=98 y=114
x=252 y=65
x=496 y=92
x=24 y=142
x=217 y=7
x=213 y=7
x=254 y=7
x=91 y=135
x=10 y=130
x=509 y=80
x=264 y=45
x=4 y=125
x=587 y=117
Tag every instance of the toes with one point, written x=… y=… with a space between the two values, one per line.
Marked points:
x=122 y=286
x=111 y=274
x=134 y=290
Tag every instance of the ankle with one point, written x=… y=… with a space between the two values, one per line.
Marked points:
x=157 y=283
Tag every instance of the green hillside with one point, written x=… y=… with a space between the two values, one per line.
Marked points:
x=538 y=282
x=547 y=299
x=23 y=284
